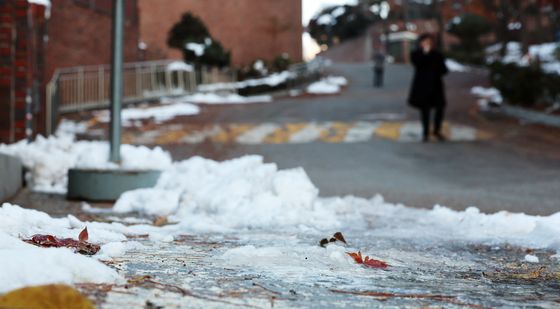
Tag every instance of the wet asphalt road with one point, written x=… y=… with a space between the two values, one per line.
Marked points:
x=516 y=170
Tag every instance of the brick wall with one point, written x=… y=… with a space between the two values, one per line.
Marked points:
x=251 y=29
x=22 y=29
x=80 y=33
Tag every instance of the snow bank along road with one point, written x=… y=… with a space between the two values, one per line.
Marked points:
x=246 y=233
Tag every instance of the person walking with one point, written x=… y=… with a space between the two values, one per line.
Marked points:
x=378 y=68
x=427 y=93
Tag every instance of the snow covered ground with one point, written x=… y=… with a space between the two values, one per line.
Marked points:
x=327 y=85
x=213 y=98
x=487 y=96
x=242 y=231
x=159 y=113
x=243 y=221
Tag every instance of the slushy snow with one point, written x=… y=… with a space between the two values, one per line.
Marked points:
x=327 y=85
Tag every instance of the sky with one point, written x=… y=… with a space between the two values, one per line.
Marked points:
x=310 y=8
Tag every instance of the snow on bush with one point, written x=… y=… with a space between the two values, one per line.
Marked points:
x=49 y=159
x=327 y=85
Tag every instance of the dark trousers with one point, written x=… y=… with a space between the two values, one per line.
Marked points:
x=426 y=113
x=378 y=77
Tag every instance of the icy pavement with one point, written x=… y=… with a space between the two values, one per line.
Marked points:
x=245 y=233
x=285 y=270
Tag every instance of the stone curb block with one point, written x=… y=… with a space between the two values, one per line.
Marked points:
x=531 y=116
x=11 y=176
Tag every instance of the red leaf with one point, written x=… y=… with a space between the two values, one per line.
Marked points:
x=375 y=263
x=356 y=256
x=79 y=246
x=83 y=237
x=367 y=261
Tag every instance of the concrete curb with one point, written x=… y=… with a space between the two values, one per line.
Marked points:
x=107 y=185
x=530 y=115
x=11 y=176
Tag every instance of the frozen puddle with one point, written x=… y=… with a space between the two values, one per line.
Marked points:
x=278 y=270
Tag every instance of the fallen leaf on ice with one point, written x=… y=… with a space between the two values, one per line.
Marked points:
x=366 y=261
x=161 y=221
x=47 y=297
x=79 y=246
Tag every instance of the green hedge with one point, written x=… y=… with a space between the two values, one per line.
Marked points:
x=525 y=85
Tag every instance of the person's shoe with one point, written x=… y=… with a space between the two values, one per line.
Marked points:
x=425 y=139
x=440 y=137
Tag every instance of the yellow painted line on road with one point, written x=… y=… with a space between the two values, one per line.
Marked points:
x=128 y=138
x=170 y=137
x=483 y=135
x=283 y=134
x=389 y=130
x=336 y=133
x=230 y=133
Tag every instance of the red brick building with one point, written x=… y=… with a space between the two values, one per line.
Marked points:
x=79 y=33
x=251 y=29
x=36 y=40
x=22 y=29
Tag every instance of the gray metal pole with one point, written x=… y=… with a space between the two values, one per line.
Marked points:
x=116 y=81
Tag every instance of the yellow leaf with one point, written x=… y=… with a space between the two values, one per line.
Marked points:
x=45 y=297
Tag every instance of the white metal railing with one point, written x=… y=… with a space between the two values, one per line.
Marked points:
x=86 y=87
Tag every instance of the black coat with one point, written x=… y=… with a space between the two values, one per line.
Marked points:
x=427 y=86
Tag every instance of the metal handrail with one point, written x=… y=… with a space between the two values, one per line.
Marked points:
x=87 y=87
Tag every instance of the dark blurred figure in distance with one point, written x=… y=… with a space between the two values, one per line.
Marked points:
x=378 y=68
x=427 y=93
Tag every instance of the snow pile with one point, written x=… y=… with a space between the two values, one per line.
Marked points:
x=245 y=193
x=28 y=265
x=455 y=66
x=212 y=98
x=487 y=96
x=49 y=159
x=24 y=264
x=328 y=85
x=272 y=80
x=159 y=113
x=241 y=193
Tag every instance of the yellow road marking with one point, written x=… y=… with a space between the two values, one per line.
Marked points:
x=128 y=138
x=389 y=130
x=229 y=134
x=170 y=137
x=336 y=133
x=283 y=134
